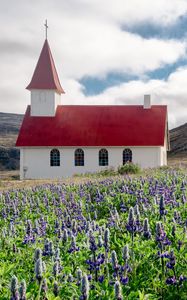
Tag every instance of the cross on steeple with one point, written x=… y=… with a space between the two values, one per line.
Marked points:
x=46 y=27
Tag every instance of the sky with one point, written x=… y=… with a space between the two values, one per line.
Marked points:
x=105 y=51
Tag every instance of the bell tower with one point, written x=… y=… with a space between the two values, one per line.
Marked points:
x=45 y=86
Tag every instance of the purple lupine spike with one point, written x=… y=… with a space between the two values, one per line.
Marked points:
x=37 y=254
x=126 y=255
x=79 y=276
x=173 y=230
x=100 y=241
x=117 y=290
x=74 y=226
x=56 y=268
x=70 y=278
x=114 y=260
x=73 y=246
x=92 y=242
x=55 y=289
x=57 y=254
x=44 y=286
x=95 y=215
x=14 y=288
x=44 y=266
x=131 y=227
x=136 y=210
x=107 y=239
x=51 y=248
x=22 y=290
x=46 y=248
x=39 y=270
x=172 y=260
x=29 y=227
x=162 y=206
x=14 y=248
x=146 y=229
x=84 y=287
x=65 y=235
x=171 y=280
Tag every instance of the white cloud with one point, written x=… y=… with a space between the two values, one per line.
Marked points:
x=172 y=92
x=87 y=40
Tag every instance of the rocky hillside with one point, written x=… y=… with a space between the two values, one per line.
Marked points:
x=9 y=128
x=178 y=140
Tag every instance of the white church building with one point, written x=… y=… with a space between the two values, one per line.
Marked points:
x=57 y=140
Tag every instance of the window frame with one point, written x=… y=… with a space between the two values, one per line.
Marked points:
x=79 y=157
x=55 y=158
x=103 y=157
x=127 y=156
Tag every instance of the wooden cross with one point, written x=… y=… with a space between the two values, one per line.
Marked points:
x=46 y=27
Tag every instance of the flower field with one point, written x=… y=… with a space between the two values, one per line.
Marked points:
x=123 y=238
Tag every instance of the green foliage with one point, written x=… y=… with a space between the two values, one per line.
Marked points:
x=129 y=168
x=86 y=211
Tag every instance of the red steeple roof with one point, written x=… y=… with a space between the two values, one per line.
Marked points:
x=45 y=75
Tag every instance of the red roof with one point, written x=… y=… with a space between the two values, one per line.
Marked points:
x=45 y=75
x=77 y=125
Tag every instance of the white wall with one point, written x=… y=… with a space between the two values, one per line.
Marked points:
x=36 y=161
x=44 y=102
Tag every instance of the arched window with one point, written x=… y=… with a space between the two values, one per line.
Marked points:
x=79 y=157
x=55 y=158
x=127 y=156
x=103 y=157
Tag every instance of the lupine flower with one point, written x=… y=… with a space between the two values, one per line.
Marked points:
x=179 y=245
x=14 y=248
x=56 y=268
x=114 y=261
x=44 y=287
x=74 y=226
x=39 y=270
x=117 y=289
x=171 y=262
x=79 y=276
x=84 y=287
x=131 y=226
x=73 y=246
x=161 y=235
x=22 y=290
x=171 y=280
x=146 y=229
x=101 y=278
x=136 y=210
x=126 y=255
x=100 y=241
x=173 y=230
x=37 y=254
x=14 y=288
x=46 y=248
x=92 y=242
x=182 y=278
x=51 y=248
x=55 y=289
x=57 y=254
x=94 y=264
x=44 y=266
x=162 y=206
x=65 y=235
x=107 y=239
x=70 y=278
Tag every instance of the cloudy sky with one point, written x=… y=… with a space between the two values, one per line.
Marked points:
x=105 y=51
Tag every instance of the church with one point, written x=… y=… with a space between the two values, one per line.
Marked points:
x=57 y=140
